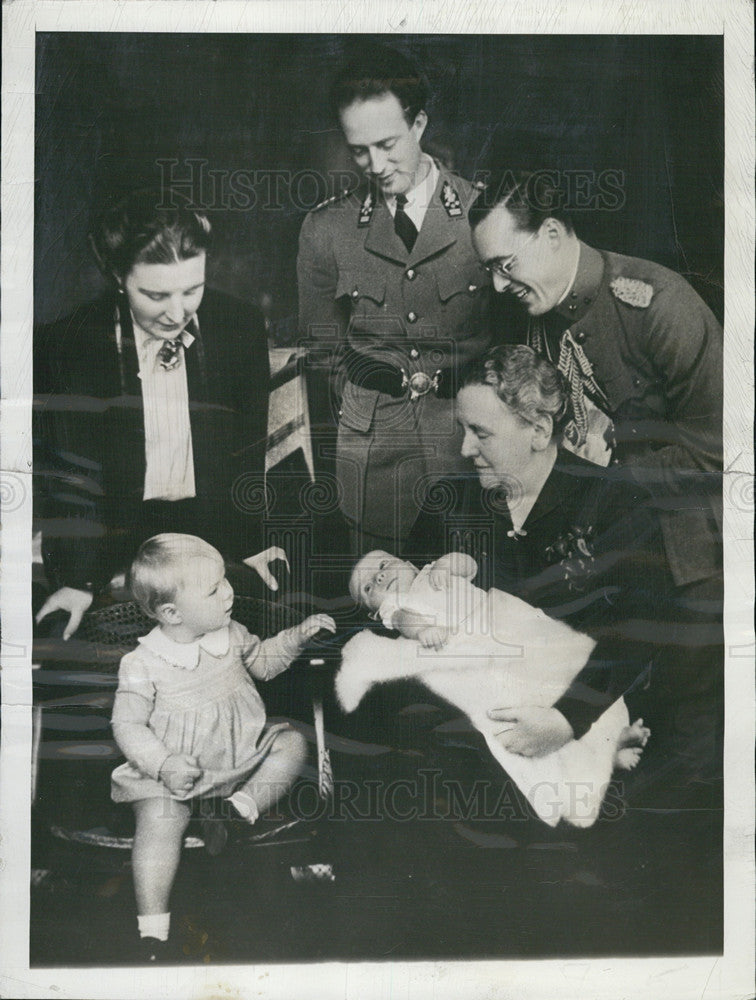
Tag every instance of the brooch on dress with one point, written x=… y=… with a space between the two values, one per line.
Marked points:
x=573 y=550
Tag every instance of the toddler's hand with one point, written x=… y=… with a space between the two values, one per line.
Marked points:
x=433 y=637
x=310 y=626
x=180 y=773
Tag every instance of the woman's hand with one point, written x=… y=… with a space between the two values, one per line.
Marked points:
x=533 y=731
x=180 y=773
x=261 y=563
x=75 y=602
x=312 y=625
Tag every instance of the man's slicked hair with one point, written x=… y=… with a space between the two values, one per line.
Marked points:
x=530 y=197
x=375 y=70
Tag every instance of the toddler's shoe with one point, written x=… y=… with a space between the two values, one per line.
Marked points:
x=152 y=951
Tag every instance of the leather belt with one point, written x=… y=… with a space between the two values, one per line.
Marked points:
x=371 y=373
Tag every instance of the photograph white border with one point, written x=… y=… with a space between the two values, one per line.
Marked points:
x=709 y=978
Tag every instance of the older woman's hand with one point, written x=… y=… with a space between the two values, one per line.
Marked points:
x=533 y=731
x=261 y=563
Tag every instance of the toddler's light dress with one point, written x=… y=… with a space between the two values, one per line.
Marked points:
x=198 y=699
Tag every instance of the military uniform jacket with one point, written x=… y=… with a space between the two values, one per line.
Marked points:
x=422 y=310
x=590 y=554
x=656 y=353
x=89 y=448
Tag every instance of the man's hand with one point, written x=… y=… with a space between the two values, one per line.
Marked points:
x=532 y=731
x=180 y=773
x=261 y=562
x=433 y=637
x=75 y=602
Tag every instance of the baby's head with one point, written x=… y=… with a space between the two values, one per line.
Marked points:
x=377 y=575
x=180 y=580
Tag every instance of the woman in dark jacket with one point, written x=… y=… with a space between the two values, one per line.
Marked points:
x=150 y=409
x=575 y=539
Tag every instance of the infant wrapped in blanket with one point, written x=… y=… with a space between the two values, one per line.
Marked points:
x=482 y=651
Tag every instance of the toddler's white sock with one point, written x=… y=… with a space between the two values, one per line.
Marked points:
x=245 y=805
x=154 y=925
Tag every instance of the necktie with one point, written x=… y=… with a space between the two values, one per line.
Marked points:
x=404 y=227
x=169 y=354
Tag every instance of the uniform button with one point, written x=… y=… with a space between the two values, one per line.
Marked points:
x=572 y=307
x=410 y=275
x=414 y=353
x=356 y=293
x=412 y=317
x=573 y=295
x=636 y=381
x=472 y=288
x=580 y=337
x=587 y=301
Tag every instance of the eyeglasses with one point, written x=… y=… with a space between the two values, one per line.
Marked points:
x=504 y=267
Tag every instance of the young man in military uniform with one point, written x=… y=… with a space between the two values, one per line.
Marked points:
x=639 y=346
x=388 y=272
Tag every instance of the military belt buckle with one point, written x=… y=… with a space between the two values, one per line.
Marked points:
x=420 y=383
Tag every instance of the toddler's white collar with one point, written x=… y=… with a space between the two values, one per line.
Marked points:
x=186 y=654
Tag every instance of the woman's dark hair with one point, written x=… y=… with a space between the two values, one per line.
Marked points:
x=140 y=229
x=530 y=197
x=526 y=382
x=376 y=70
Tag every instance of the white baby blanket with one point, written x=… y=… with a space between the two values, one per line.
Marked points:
x=507 y=654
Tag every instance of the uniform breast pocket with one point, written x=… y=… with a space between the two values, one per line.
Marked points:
x=461 y=291
x=366 y=291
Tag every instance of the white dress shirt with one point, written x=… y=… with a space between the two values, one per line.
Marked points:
x=420 y=196
x=168 y=451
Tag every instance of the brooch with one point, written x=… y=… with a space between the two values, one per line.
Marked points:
x=573 y=551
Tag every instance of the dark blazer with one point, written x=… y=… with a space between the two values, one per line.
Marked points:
x=592 y=556
x=89 y=438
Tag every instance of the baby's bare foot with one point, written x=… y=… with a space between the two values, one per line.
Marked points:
x=627 y=758
x=630 y=745
x=634 y=736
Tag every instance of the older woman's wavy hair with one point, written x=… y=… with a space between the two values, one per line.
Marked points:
x=527 y=383
x=148 y=227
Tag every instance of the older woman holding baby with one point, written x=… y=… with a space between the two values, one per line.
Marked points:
x=150 y=403
x=577 y=540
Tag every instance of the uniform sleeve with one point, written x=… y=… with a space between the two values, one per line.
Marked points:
x=321 y=315
x=684 y=342
x=132 y=709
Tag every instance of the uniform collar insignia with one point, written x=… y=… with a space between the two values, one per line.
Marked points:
x=366 y=210
x=450 y=201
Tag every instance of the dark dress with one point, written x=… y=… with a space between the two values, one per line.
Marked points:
x=89 y=439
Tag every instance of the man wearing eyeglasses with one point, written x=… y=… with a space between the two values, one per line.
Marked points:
x=388 y=272
x=643 y=354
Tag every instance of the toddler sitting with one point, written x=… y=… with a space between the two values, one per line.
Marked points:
x=188 y=718
x=482 y=651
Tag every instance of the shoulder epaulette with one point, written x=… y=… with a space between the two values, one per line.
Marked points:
x=632 y=291
x=334 y=198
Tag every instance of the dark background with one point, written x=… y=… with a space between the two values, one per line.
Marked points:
x=110 y=106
